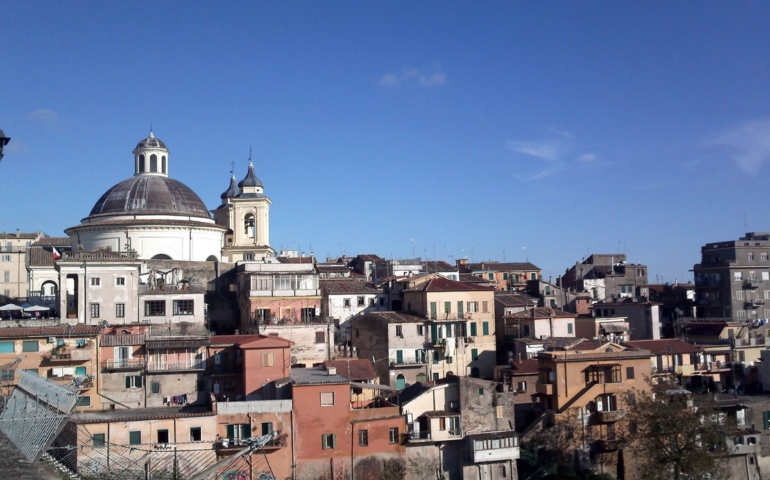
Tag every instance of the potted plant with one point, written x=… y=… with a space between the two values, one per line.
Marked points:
x=185 y=283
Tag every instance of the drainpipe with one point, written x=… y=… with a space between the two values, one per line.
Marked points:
x=352 y=449
x=293 y=451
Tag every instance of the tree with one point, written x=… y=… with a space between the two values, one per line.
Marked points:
x=676 y=436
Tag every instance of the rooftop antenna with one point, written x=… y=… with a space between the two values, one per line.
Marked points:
x=745 y=224
x=526 y=255
x=414 y=255
x=503 y=256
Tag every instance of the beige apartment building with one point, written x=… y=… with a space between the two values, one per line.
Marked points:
x=14 y=280
x=460 y=325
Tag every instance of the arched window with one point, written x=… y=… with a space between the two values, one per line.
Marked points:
x=141 y=163
x=153 y=163
x=475 y=372
x=160 y=256
x=163 y=164
x=248 y=225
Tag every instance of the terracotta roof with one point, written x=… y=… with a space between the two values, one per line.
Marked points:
x=471 y=278
x=53 y=241
x=150 y=221
x=395 y=317
x=49 y=331
x=499 y=267
x=122 y=340
x=337 y=286
x=541 y=312
x=658 y=347
x=515 y=300
x=40 y=257
x=438 y=266
x=355 y=369
x=524 y=367
x=442 y=284
x=369 y=257
x=251 y=341
x=9 y=236
x=441 y=413
x=331 y=267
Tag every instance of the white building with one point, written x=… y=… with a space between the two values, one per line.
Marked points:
x=344 y=299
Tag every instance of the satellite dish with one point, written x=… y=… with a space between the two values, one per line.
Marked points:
x=105 y=324
x=293 y=360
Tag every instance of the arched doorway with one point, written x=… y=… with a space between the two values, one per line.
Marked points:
x=49 y=288
x=475 y=372
x=161 y=256
x=400 y=382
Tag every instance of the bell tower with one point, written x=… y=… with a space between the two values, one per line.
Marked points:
x=151 y=157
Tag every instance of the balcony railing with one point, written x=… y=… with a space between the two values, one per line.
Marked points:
x=417 y=436
x=98 y=256
x=176 y=366
x=124 y=364
x=437 y=342
x=752 y=283
x=409 y=362
x=611 y=416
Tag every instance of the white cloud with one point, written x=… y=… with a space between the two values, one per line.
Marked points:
x=546 y=151
x=749 y=145
x=587 y=158
x=423 y=77
x=44 y=115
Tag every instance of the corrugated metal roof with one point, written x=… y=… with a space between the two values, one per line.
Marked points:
x=77 y=330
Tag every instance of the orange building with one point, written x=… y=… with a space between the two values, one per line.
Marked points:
x=334 y=436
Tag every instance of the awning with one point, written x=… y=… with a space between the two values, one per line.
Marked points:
x=10 y=308
x=614 y=327
x=176 y=343
x=37 y=308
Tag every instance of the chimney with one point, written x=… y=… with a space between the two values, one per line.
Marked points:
x=18 y=232
x=331 y=370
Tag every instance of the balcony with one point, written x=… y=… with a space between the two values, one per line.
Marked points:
x=752 y=283
x=176 y=366
x=63 y=354
x=544 y=388
x=437 y=343
x=99 y=256
x=123 y=364
x=710 y=366
x=416 y=437
x=750 y=342
x=611 y=416
x=494 y=447
x=231 y=445
x=409 y=363
x=605 y=446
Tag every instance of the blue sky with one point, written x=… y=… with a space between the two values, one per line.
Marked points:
x=562 y=127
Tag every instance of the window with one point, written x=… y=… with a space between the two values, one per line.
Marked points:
x=327 y=399
x=421 y=329
x=433 y=313
x=460 y=309
x=320 y=337
x=328 y=441
x=360 y=301
x=474 y=354
x=393 y=435
x=485 y=328
x=763 y=256
x=239 y=430
x=739 y=295
x=442 y=423
x=120 y=310
x=155 y=387
x=184 y=307
x=346 y=302
x=629 y=373
x=766 y=418
x=163 y=164
x=134 y=381
x=120 y=281
x=141 y=163
x=569 y=328
x=162 y=434
x=767 y=294
x=751 y=255
x=135 y=438
x=490 y=276
x=738 y=276
x=631 y=399
x=267 y=428
x=473 y=329
x=84 y=401
x=94 y=310
x=31 y=346
x=363 y=438
x=155 y=308
x=499 y=411
x=248 y=225
x=268 y=359
x=399 y=357
x=547 y=289
x=533 y=276
x=399 y=331
x=195 y=434
x=6 y=347
x=6 y=258
x=248 y=257
x=505 y=276
x=741 y=314
x=521 y=386
x=473 y=307
x=6 y=375
x=371 y=302
x=435 y=377
x=435 y=357
x=481 y=391
x=485 y=306
x=96 y=282
x=98 y=440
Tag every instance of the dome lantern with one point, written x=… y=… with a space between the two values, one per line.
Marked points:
x=151 y=157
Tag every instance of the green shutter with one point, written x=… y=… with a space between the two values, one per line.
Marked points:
x=485 y=328
x=324 y=442
x=474 y=354
x=460 y=309
x=267 y=428
x=139 y=381
x=246 y=430
x=766 y=416
x=31 y=346
x=6 y=347
x=433 y=333
x=399 y=356
x=135 y=438
x=473 y=329
x=447 y=307
x=334 y=440
x=128 y=382
x=80 y=370
x=432 y=309
x=448 y=330
x=231 y=431
x=569 y=328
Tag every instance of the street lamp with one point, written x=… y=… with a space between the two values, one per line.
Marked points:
x=3 y=142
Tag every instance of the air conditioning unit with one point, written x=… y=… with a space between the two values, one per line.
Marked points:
x=51 y=339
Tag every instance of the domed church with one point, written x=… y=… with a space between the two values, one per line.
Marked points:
x=162 y=218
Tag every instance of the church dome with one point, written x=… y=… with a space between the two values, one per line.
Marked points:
x=151 y=142
x=150 y=195
x=251 y=179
